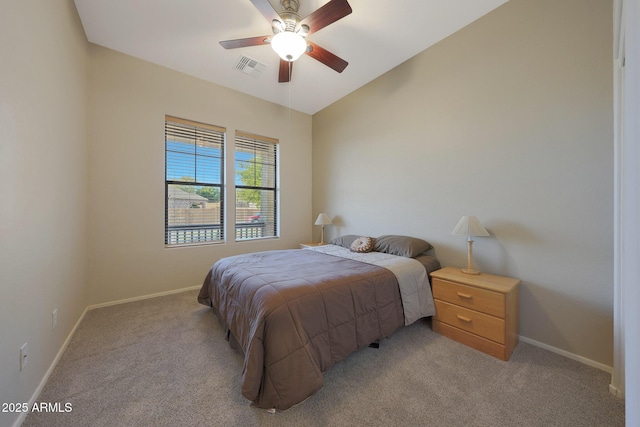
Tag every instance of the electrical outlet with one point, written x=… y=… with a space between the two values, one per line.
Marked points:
x=54 y=319
x=23 y=356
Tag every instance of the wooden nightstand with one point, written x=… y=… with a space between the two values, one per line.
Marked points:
x=480 y=311
x=311 y=245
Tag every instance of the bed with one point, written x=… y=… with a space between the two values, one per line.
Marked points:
x=295 y=313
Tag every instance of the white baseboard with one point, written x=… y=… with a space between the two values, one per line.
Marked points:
x=47 y=374
x=159 y=294
x=565 y=353
x=616 y=391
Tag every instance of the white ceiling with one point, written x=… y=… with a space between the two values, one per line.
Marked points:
x=183 y=35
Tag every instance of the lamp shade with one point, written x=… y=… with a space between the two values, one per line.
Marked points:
x=288 y=45
x=323 y=219
x=469 y=226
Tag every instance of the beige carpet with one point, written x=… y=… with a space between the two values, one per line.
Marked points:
x=164 y=362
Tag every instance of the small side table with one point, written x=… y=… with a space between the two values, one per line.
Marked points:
x=480 y=311
x=311 y=245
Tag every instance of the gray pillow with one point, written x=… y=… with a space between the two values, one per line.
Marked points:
x=344 y=241
x=401 y=245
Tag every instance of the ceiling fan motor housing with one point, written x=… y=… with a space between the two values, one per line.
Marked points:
x=290 y=5
x=289 y=15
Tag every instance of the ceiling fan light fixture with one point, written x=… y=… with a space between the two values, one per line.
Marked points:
x=288 y=45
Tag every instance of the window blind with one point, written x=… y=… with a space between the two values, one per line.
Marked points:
x=256 y=184
x=194 y=182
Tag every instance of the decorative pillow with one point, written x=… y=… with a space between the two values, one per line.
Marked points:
x=362 y=244
x=401 y=245
x=344 y=241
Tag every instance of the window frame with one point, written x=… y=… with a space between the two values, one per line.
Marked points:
x=205 y=232
x=271 y=226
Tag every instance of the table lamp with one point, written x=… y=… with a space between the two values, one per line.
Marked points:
x=323 y=219
x=469 y=226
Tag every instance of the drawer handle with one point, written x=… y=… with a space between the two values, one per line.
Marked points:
x=464 y=319
x=466 y=296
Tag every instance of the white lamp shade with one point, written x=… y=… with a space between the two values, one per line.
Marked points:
x=469 y=226
x=288 y=45
x=323 y=219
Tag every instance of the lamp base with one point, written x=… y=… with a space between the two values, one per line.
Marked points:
x=469 y=271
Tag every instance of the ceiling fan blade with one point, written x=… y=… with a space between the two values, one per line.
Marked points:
x=327 y=58
x=284 y=75
x=250 y=41
x=327 y=14
x=266 y=10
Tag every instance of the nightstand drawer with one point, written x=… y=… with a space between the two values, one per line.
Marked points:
x=482 y=300
x=486 y=326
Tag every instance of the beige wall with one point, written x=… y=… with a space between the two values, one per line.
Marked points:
x=129 y=99
x=509 y=119
x=43 y=191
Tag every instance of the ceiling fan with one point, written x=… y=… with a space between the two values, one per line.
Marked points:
x=290 y=32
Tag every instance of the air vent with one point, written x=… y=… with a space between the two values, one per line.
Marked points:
x=250 y=66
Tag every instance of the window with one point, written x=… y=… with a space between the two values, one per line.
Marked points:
x=194 y=199
x=256 y=181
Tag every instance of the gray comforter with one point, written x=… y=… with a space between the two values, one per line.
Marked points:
x=296 y=313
